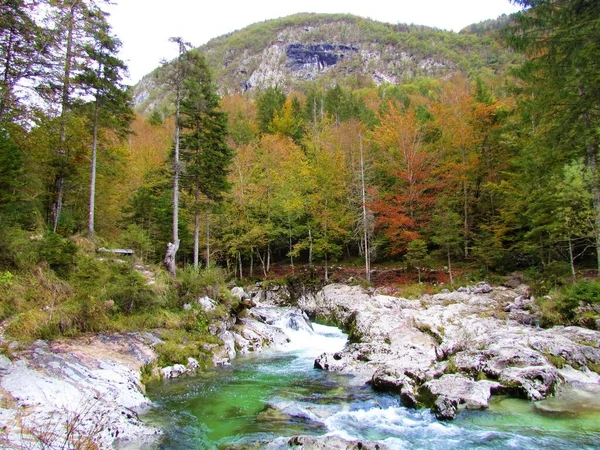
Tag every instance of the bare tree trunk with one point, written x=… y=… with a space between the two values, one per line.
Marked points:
x=196 y=239
x=310 y=247
x=169 y=260
x=450 y=267
x=174 y=246
x=290 y=244
x=251 y=263
x=262 y=262
x=572 y=258
x=92 y=203
x=207 y=239
x=240 y=260
x=364 y=215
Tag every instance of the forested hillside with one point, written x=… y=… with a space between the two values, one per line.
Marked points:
x=483 y=169
x=305 y=50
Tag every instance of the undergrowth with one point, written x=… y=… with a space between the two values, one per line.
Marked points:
x=67 y=289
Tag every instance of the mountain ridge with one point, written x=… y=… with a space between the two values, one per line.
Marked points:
x=304 y=48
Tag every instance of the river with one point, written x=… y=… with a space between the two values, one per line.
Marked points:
x=278 y=393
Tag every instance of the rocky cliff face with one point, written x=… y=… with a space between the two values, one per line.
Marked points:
x=343 y=49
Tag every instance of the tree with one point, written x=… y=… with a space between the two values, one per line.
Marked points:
x=268 y=103
x=407 y=169
x=175 y=77
x=455 y=116
x=72 y=24
x=102 y=80
x=331 y=216
x=416 y=254
x=24 y=47
x=446 y=233
x=563 y=79
x=287 y=122
x=12 y=180
x=203 y=141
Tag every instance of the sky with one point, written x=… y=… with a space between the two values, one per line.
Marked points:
x=145 y=26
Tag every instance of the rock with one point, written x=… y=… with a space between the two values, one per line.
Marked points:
x=228 y=343
x=459 y=389
x=174 y=371
x=330 y=362
x=445 y=408
x=187 y=307
x=282 y=317
x=239 y=293
x=390 y=380
x=482 y=288
x=534 y=383
x=192 y=364
x=409 y=346
x=206 y=303
x=330 y=443
x=96 y=378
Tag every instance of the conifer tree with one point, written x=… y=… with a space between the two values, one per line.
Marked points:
x=203 y=141
x=111 y=105
x=560 y=37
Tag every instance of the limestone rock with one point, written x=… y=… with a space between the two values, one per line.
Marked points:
x=206 y=303
x=330 y=362
x=445 y=408
x=471 y=394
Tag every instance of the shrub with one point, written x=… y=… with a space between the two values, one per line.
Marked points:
x=17 y=249
x=129 y=290
x=585 y=292
x=58 y=253
x=210 y=282
x=139 y=240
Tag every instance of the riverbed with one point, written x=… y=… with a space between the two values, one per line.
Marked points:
x=260 y=399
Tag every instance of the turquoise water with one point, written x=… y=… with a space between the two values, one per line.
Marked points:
x=278 y=394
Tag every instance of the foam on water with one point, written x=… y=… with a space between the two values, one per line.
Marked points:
x=309 y=344
x=278 y=393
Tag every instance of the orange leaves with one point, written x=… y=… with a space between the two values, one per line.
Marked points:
x=405 y=205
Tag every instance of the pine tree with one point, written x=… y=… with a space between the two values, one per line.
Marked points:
x=111 y=106
x=563 y=77
x=203 y=141
x=24 y=47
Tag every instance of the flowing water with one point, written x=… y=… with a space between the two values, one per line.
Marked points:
x=278 y=393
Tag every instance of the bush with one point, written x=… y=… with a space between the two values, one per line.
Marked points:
x=58 y=253
x=17 y=249
x=585 y=292
x=129 y=290
x=553 y=275
x=138 y=239
x=210 y=282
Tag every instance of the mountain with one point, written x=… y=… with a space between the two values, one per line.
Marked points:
x=338 y=48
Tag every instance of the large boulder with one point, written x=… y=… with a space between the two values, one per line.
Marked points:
x=451 y=391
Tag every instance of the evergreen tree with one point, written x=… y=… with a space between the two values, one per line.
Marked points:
x=24 y=46
x=268 y=103
x=102 y=79
x=203 y=140
x=563 y=77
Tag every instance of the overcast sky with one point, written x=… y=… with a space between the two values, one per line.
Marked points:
x=144 y=26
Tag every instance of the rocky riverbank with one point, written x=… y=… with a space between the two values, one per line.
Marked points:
x=447 y=351
x=452 y=350
x=87 y=392
x=76 y=394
